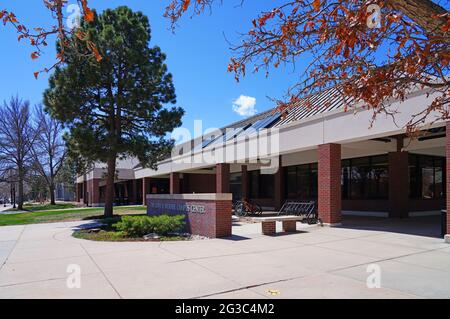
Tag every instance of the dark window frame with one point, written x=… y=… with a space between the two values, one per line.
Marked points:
x=310 y=192
x=261 y=186
x=415 y=171
x=350 y=167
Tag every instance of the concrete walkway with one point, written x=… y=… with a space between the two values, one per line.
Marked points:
x=3 y=208
x=314 y=263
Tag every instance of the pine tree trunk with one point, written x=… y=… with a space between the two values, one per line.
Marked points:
x=109 y=196
x=423 y=13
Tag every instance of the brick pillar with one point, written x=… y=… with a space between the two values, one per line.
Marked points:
x=145 y=190
x=279 y=187
x=222 y=178
x=398 y=185
x=174 y=183
x=78 y=193
x=85 y=192
x=245 y=188
x=289 y=226
x=269 y=228
x=329 y=181
x=447 y=151
x=94 y=192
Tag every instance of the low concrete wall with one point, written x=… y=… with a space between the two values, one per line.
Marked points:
x=207 y=215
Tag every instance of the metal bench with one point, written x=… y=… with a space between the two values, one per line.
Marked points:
x=269 y=224
x=307 y=210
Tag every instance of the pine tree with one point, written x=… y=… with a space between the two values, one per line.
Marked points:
x=115 y=105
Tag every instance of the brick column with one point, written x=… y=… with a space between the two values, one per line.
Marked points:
x=78 y=193
x=244 y=177
x=269 y=228
x=222 y=178
x=145 y=190
x=398 y=185
x=329 y=182
x=279 y=187
x=447 y=151
x=85 y=193
x=289 y=226
x=174 y=183
x=94 y=192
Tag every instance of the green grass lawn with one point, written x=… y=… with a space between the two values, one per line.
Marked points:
x=44 y=207
x=51 y=216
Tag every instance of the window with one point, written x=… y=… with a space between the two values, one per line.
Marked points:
x=236 y=185
x=426 y=177
x=301 y=181
x=365 y=178
x=261 y=185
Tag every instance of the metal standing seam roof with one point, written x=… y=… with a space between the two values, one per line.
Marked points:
x=325 y=101
x=322 y=102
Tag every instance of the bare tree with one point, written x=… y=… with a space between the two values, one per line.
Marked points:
x=48 y=150
x=16 y=138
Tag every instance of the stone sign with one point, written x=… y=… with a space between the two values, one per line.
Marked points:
x=206 y=214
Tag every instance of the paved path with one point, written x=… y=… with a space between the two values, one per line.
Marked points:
x=315 y=263
x=3 y=209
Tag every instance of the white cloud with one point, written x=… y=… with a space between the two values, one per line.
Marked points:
x=245 y=106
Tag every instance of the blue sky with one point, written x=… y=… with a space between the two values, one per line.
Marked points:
x=197 y=56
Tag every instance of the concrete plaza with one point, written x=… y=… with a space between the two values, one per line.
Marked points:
x=315 y=262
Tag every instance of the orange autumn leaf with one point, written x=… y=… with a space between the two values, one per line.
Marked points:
x=36 y=74
x=95 y=51
x=186 y=4
x=34 y=55
x=88 y=13
x=316 y=5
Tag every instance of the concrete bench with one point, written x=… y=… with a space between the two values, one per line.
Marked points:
x=269 y=224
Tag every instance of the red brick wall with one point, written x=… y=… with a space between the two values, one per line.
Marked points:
x=94 y=191
x=223 y=219
x=329 y=183
x=214 y=223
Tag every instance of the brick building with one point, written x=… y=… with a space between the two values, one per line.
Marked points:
x=323 y=152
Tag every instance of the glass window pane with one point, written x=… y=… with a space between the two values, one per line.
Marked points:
x=266 y=186
x=314 y=182
x=291 y=182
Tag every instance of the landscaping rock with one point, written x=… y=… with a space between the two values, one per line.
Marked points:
x=94 y=230
x=176 y=234
x=152 y=237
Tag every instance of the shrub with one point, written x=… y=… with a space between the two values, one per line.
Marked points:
x=138 y=226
